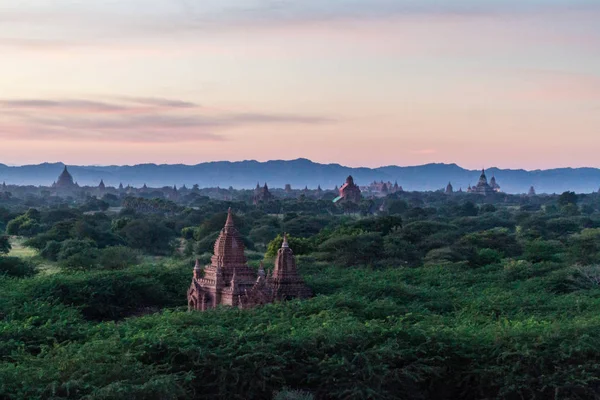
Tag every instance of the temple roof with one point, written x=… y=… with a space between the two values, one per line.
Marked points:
x=65 y=179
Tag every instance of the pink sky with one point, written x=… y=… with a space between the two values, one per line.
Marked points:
x=507 y=84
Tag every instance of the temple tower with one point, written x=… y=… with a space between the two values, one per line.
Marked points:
x=228 y=275
x=285 y=281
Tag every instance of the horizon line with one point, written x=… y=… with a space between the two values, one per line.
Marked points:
x=292 y=160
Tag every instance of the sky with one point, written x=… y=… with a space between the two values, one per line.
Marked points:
x=506 y=83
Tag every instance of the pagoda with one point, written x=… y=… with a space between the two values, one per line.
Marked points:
x=482 y=187
x=262 y=194
x=449 y=188
x=65 y=180
x=65 y=185
x=494 y=185
x=228 y=280
x=285 y=280
x=349 y=192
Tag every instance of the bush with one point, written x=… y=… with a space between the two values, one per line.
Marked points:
x=51 y=250
x=16 y=267
x=5 y=245
x=287 y=394
x=78 y=254
x=543 y=250
x=349 y=250
x=442 y=255
x=487 y=257
x=299 y=246
x=118 y=257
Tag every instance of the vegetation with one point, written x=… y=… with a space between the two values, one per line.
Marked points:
x=432 y=296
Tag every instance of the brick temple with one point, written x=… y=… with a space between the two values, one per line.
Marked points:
x=349 y=192
x=483 y=187
x=228 y=280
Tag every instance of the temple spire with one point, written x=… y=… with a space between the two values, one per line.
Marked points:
x=285 y=241
x=229 y=221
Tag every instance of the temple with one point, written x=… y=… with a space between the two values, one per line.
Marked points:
x=531 y=191
x=383 y=187
x=64 y=183
x=483 y=187
x=262 y=194
x=494 y=185
x=228 y=280
x=349 y=192
x=449 y=189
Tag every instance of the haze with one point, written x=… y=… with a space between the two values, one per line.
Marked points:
x=364 y=83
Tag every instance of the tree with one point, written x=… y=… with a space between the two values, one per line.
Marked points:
x=351 y=250
x=567 y=198
x=148 y=235
x=5 y=245
x=298 y=245
x=585 y=246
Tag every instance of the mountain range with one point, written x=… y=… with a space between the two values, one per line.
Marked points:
x=302 y=172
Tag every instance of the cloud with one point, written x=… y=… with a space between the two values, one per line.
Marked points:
x=135 y=119
x=152 y=101
x=39 y=104
x=127 y=105
x=36 y=44
x=157 y=17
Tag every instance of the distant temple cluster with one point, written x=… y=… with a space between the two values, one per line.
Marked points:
x=383 y=187
x=349 y=192
x=228 y=280
x=483 y=187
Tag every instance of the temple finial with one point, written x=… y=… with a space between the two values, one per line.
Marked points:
x=229 y=221
x=285 y=241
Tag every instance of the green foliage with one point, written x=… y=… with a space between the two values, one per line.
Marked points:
x=539 y=250
x=118 y=257
x=25 y=225
x=499 y=239
x=454 y=300
x=585 y=246
x=287 y=394
x=16 y=267
x=567 y=198
x=148 y=235
x=299 y=246
x=5 y=245
x=352 y=250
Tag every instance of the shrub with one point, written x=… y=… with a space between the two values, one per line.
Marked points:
x=539 y=250
x=287 y=394
x=51 y=250
x=16 y=267
x=118 y=257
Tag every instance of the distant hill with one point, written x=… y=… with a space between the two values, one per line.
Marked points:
x=303 y=172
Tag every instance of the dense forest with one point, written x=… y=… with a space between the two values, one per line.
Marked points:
x=417 y=296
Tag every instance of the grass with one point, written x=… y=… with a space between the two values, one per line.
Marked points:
x=20 y=250
x=45 y=267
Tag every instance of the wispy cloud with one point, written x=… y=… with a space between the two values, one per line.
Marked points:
x=152 y=101
x=66 y=105
x=134 y=119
